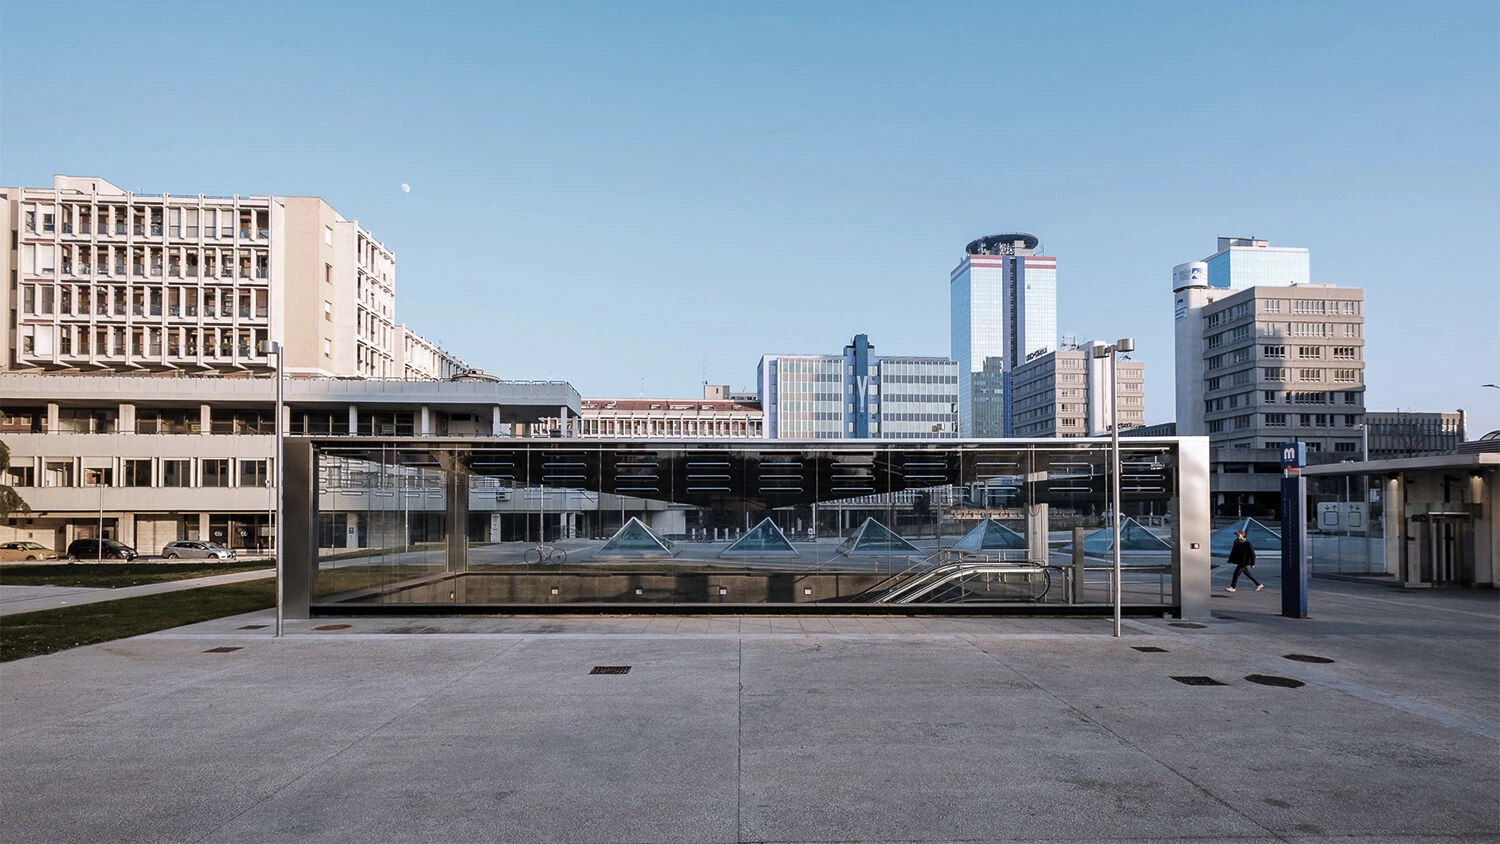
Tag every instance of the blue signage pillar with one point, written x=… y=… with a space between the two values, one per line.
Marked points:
x=1293 y=531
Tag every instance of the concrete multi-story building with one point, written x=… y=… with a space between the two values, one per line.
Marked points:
x=1238 y=263
x=1003 y=310
x=150 y=460
x=858 y=395
x=104 y=280
x=136 y=355
x=1396 y=434
x=424 y=360
x=668 y=418
x=1260 y=365
x=1066 y=393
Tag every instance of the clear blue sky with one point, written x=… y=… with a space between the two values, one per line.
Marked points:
x=635 y=196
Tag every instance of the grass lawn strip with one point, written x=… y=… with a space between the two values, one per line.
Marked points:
x=115 y=575
x=47 y=631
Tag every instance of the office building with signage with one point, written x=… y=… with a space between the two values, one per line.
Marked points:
x=1066 y=393
x=1002 y=309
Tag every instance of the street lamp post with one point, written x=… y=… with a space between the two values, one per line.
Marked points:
x=1124 y=344
x=279 y=545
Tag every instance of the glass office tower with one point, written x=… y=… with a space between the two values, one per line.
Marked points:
x=1003 y=310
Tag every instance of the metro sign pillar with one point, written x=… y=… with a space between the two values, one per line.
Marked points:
x=1293 y=531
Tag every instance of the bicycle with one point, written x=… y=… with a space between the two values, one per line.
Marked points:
x=545 y=554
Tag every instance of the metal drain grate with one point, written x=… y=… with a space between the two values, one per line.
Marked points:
x=221 y=650
x=1308 y=658
x=1273 y=680
x=610 y=669
x=1149 y=649
x=1193 y=680
x=332 y=627
x=1189 y=625
x=254 y=627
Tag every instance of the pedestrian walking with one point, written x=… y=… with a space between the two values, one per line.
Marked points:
x=1242 y=557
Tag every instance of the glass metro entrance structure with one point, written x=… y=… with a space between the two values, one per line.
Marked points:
x=425 y=525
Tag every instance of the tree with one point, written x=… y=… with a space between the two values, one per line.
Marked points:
x=10 y=500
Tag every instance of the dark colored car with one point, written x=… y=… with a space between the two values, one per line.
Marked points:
x=94 y=549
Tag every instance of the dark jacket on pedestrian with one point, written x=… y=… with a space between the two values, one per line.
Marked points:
x=1242 y=553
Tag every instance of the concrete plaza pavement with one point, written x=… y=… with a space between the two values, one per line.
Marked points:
x=772 y=728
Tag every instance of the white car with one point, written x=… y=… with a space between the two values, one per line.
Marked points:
x=190 y=549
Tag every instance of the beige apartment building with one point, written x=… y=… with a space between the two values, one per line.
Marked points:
x=1066 y=393
x=100 y=279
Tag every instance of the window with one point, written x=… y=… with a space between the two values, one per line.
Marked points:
x=253 y=473
x=1351 y=398
x=1344 y=448
x=328 y=235
x=21 y=476
x=1310 y=375
x=215 y=472
x=1270 y=397
x=138 y=472
x=1216 y=426
x=1274 y=373
x=327 y=310
x=328 y=274
x=176 y=473
x=1309 y=351
x=1273 y=351
x=1344 y=352
x=1273 y=306
x=327 y=348
x=1275 y=420
x=1346 y=375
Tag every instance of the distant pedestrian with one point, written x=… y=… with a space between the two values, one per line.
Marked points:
x=1242 y=557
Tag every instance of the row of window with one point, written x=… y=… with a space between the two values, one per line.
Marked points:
x=145 y=472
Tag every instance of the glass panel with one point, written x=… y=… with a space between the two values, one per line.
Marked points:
x=560 y=522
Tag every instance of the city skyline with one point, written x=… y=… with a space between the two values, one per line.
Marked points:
x=774 y=181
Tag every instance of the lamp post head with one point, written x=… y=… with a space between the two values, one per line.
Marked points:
x=1103 y=351
x=1125 y=344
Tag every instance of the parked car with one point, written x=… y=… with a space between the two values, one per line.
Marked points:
x=190 y=549
x=12 y=551
x=94 y=549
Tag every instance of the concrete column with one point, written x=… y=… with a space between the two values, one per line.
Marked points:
x=1190 y=529
x=205 y=419
x=1394 y=507
x=495 y=422
x=424 y=423
x=1077 y=596
x=1036 y=533
x=563 y=423
x=1483 y=496
x=51 y=417
x=456 y=489
x=299 y=529
x=203 y=528
x=353 y=419
x=126 y=421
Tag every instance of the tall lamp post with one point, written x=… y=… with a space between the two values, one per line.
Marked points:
x=275 y=349
x=1124 y=344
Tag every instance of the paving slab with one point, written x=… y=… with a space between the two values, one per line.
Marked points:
x=773 y=728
